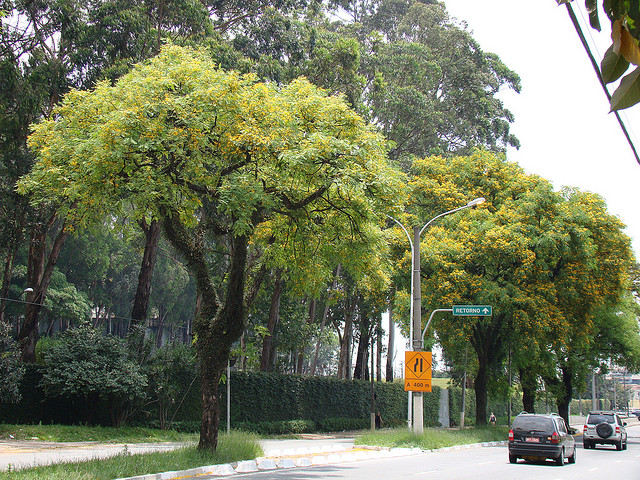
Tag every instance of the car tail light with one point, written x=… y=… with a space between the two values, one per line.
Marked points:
x=511 y=435
x=555 y=438
x=584 y=430
x=617 y=430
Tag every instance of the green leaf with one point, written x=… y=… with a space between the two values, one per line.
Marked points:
x=592 y=8
x=613 y=66
x=628 y=93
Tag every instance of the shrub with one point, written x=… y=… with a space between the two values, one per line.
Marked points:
x=85 y=363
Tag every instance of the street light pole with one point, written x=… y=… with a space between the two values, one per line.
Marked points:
x=416 y=421
x=410 y=393
x=418 y=409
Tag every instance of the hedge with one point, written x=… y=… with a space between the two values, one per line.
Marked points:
x=267 y=403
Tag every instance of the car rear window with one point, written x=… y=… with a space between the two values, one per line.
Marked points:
x=595 y=419
x=527 y=424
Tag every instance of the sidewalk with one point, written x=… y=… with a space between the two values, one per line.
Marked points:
x=26 y=453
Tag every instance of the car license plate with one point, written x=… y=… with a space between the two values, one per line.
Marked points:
x=532 y=439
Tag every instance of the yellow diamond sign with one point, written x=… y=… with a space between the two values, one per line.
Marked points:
x=417 y=371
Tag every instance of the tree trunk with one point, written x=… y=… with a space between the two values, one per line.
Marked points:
x=378 y=352
x=565 y=392
x=392 y=347
x=16 y=237
x=480 y=386
x=6 y=280
x=38 y=278
x=361 y=369
x=141 y=300
x=323 y=322
x=529 y=386
x=274 y=315
x=217 y=330
x=304 y=341
x=344 y=359
x=487 y=344
x=218 y=324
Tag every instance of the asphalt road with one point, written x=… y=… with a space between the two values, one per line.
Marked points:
x=480 y=463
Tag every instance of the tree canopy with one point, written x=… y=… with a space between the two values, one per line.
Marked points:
x=218 y=156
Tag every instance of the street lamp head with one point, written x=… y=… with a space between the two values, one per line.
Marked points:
x=476 y=202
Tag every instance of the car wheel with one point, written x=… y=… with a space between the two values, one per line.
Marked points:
x=587 y=444
x=572 y=458
x=604 y=430
x=624 y=445
x=513 y=458
x=619 y=445
x=560 y=459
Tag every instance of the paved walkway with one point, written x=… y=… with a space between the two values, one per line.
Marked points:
x=26 y=453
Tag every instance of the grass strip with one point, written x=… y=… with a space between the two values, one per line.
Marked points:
x=433 y=437
x=78 y=433
x=231 y=448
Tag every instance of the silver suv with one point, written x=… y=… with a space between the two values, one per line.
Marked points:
x=604 y=427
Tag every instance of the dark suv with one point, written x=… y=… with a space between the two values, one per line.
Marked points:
x=604 y=427
x=539 y=437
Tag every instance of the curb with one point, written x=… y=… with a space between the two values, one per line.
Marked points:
x=304 y=457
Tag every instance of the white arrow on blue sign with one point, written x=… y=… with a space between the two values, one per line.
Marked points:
x=472 y=310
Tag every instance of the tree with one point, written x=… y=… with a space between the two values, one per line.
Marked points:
x=85 y=363
x=624 y=50
x=426 y=83
x=47 y=48
x=222 y=160
x=590 y=281
x=550 y=263
x=404 y=65
x=485 y=256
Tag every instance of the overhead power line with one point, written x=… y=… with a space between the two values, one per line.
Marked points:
x=595 y=66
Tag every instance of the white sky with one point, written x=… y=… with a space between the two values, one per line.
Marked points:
x=561 y=114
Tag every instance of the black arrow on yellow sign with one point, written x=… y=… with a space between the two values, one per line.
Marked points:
x=417 y=365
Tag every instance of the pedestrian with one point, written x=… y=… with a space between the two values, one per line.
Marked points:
x=492 y=419
x=378 y=420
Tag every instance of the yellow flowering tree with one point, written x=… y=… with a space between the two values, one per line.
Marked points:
x=546 y=261
x=227 y=164
x=590 y=281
